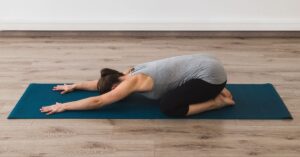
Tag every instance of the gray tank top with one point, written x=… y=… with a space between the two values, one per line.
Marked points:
x=172 y=72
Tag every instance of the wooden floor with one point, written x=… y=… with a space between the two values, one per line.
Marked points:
x=72 y=59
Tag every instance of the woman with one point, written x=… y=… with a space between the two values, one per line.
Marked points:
x=184 y=85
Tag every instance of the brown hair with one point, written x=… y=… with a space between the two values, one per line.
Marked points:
x=108 y=78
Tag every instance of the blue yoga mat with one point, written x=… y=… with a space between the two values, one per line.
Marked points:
x=253 y=101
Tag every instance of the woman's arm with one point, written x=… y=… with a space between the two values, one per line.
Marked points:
x=121 y=91
x=87 y=85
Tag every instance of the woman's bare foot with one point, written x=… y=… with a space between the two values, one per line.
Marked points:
x=226 y=93
x=221 y=101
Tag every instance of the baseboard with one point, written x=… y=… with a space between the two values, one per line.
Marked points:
x=151 y=26
x=239 y=34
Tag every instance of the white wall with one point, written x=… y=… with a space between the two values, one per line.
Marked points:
x=149 y=14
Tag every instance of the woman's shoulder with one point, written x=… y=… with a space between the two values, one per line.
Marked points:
x=144 y=82
x=140 y=77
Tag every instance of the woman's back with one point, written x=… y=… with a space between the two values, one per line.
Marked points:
x=172 y=72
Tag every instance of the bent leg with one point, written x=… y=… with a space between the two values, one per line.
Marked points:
x=216 y=103
x=177 y=101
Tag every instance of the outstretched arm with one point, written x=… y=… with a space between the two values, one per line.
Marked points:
x=87 y=85
x=121 y=91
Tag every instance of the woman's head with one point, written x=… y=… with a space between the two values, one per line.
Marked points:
x=108 y=79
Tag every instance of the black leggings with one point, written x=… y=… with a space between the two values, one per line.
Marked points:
x=176 y=102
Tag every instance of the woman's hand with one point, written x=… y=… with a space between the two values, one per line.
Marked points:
x=64 y=88
x=58 y=107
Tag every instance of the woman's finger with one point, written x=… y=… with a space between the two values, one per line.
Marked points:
x=63 y=92
x=42 y=108
x=51 y=112
x=57 y=88
x=45 y=109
